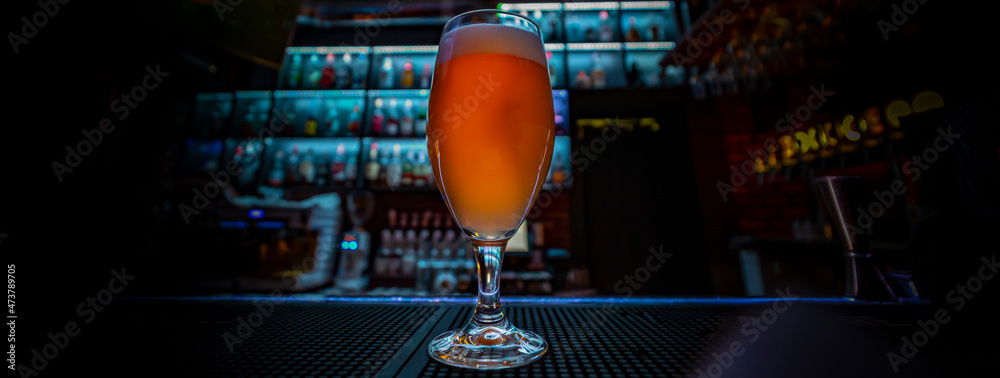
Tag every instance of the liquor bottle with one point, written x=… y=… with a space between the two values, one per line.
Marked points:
x=420 y=123
x=247 y=129
x=582 y=80
x=395 y=263
x=409 y=260
x=712 y=81
x=378 y=118
x=311 y=125
x=422 y=271
x=354 y=121
x=352 y=170
x=323 y=170
x=344 y=74
x=425 y=76
x=552 y=69
x=392 y=119
x=696 y=84
x=546 y=28
x=599 y=76
x=633 y=31
x=553 y=25
x=590 y=34
x=314 y=73
x=292 y=168
x=277 y=175
x=634 y=76
x=421 y=169
x=289 y=111
x=294 y=72
x=404 y=221
x=573 y=29
x=605 y=31
x=406 y=122
x=383 y=161
x=332 y=127
x=248 y=163
x=406 y=80
x=372 y=168
x=394 y=170
x=392 y=216
x=559 y=171
x=387 y=77
x=407 y=176
x=328 y=75
x=307 y=170
x=382 y=259
x=360 y=72
x=654 y=28
x=337 y=169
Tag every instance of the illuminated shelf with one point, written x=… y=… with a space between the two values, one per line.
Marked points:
x=399 y=93
x=531 y=6
x=253 y=94
x=645 y=5
x=405 y=49
x=327 y=49
x=305 y=93
x=214 y=96
x=595 y=46
x=649 y=46
x=603 y=5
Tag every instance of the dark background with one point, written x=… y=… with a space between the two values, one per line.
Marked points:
x=66 y=237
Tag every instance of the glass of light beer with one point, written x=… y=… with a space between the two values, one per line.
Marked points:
x=490 y=135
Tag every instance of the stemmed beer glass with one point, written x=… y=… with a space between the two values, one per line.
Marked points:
x=490 y=135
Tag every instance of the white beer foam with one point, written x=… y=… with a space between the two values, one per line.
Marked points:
x=491 y=39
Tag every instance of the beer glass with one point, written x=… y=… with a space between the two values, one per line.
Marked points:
x=490 y=135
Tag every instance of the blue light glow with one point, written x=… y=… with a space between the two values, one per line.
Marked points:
x=271 y=225
x=256 y=214
x=471 y=299
x=354 y=245
x=233 y=224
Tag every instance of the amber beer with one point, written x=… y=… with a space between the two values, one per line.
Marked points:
x=491 y=126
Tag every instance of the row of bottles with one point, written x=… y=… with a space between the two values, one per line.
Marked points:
x=390 y=121
x=327 y=72
x=398 y=166
x=597 y=79
x=324 y=121
x=407 y=78
x=339 y=169
x=427 y=249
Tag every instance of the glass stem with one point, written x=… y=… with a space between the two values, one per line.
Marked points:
x=489 y=255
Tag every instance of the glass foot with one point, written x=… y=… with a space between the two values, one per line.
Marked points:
x=487 y=347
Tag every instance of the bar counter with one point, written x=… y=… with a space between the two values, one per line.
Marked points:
x=250 y=335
